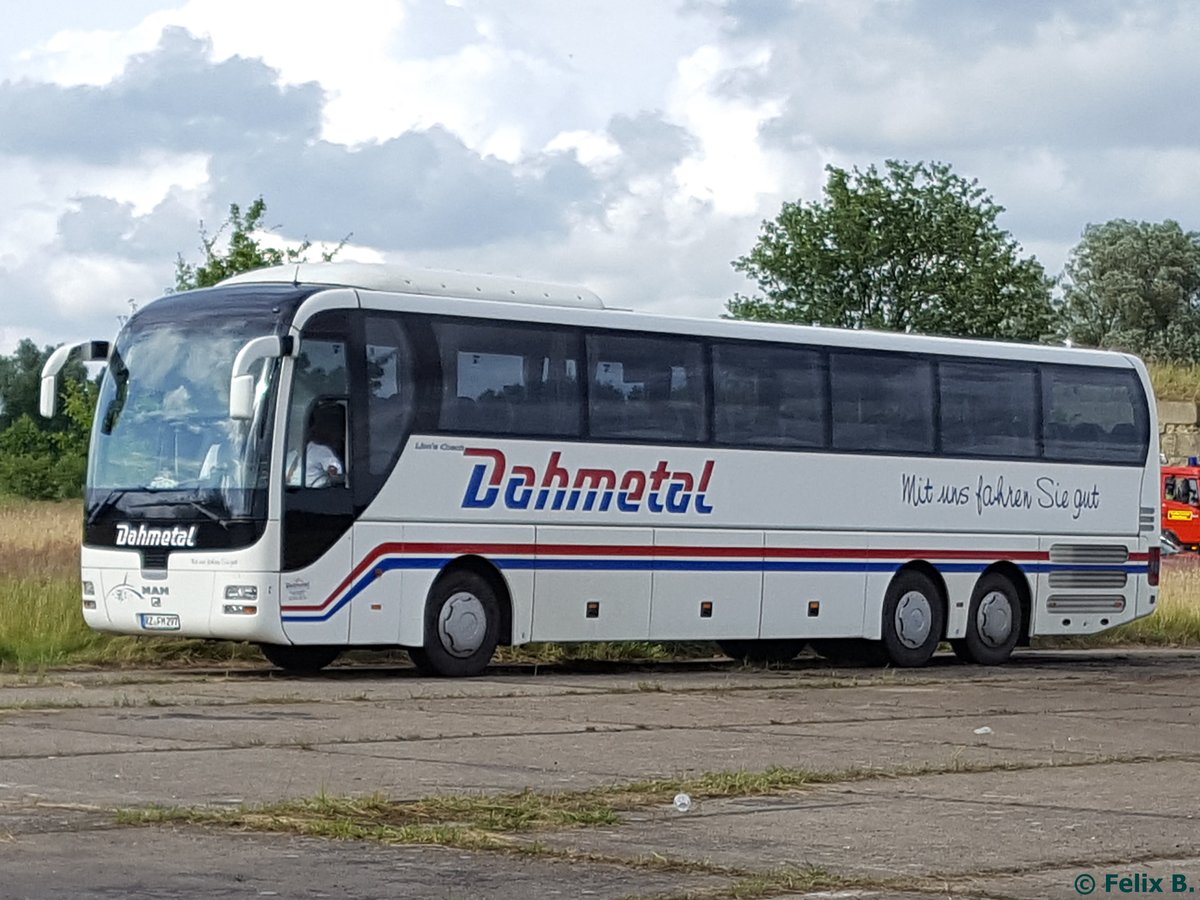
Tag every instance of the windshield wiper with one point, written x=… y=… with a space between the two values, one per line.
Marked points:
x=196 y=504
x=113 y=496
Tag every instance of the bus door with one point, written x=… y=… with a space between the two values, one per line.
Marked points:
x=319 y=475
x=384 y=419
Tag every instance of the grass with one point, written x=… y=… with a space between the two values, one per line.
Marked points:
x=39 y=583
x=41 y=624
x=40 y=594
x=1175 y=381
x=510 y=822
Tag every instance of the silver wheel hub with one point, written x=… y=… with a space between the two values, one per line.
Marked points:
x=914 y=618
x=994 y=619
x=462 y=624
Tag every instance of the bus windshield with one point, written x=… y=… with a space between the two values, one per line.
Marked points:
x=162 y=420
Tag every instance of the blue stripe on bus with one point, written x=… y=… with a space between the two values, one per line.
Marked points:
x=682 y=565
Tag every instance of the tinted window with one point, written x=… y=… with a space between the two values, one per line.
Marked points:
x=320 y=388
x=1094 y=415
x=646 y=388
x=508 y=379
x=881 y=402
x=390 y=397
x=769 y=396
x=988 y=410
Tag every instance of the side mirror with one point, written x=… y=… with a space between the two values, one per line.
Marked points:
x=241 y=380
x=90 y=351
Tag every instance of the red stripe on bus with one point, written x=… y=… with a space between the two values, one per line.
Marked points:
x=664 y=551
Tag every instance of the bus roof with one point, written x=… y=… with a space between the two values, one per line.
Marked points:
x=430 y=282
x=580 y=305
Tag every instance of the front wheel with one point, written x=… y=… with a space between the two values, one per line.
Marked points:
x=913 y=619
x=993 y=623
x=762 y=652
x=462 y=627
x=300 y=659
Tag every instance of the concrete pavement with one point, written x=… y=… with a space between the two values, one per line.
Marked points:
x=1088 y=764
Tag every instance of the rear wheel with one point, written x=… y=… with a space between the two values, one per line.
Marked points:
x=462 y=626
x=913 y=619
x=300 y=659
x=761 y=652
x=993 y=622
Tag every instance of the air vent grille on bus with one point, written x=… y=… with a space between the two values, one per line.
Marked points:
x=1088 y=579
x=1148 y=519
x=1085 y=603
x=155 y=557
x=1089 y=553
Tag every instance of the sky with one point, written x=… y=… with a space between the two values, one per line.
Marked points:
x=632 y=146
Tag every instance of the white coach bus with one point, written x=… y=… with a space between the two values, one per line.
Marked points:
x=321 y=457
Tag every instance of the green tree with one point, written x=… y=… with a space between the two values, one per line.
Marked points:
x=1135 y=286
x=242 y=252
x=914 y=248
x=40 y=459
x=21 y=384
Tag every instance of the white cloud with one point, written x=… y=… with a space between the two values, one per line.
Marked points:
x=632 y=146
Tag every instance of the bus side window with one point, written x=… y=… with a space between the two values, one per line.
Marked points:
x=320 y=380
x=391 y=403
x=509 y=378
x=647 y=388
x=769 y=396
x=1094 y=415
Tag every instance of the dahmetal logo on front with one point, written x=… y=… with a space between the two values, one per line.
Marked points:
x=141 y=536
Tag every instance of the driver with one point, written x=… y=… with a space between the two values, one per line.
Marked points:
x=322 y=465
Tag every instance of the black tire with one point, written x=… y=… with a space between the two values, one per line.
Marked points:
x=420 y=661
x=462 y=626
x=959 y=646
x=914 y=617
x=994 y=621
x=762 y=652
x=850 y=651
x=300 y=659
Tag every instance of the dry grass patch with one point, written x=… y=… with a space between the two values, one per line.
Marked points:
x=40 y=596
x=486 y=820
x=1175 y=381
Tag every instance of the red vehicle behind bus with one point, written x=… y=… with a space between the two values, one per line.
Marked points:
x=1181 y=504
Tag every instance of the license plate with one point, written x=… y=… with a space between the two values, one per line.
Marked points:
x=159 y=621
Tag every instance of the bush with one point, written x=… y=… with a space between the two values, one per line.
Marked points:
x=39 y=466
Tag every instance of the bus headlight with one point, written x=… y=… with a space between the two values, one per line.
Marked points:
x=89 y=589
x=239 y=609
x=241 y=592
